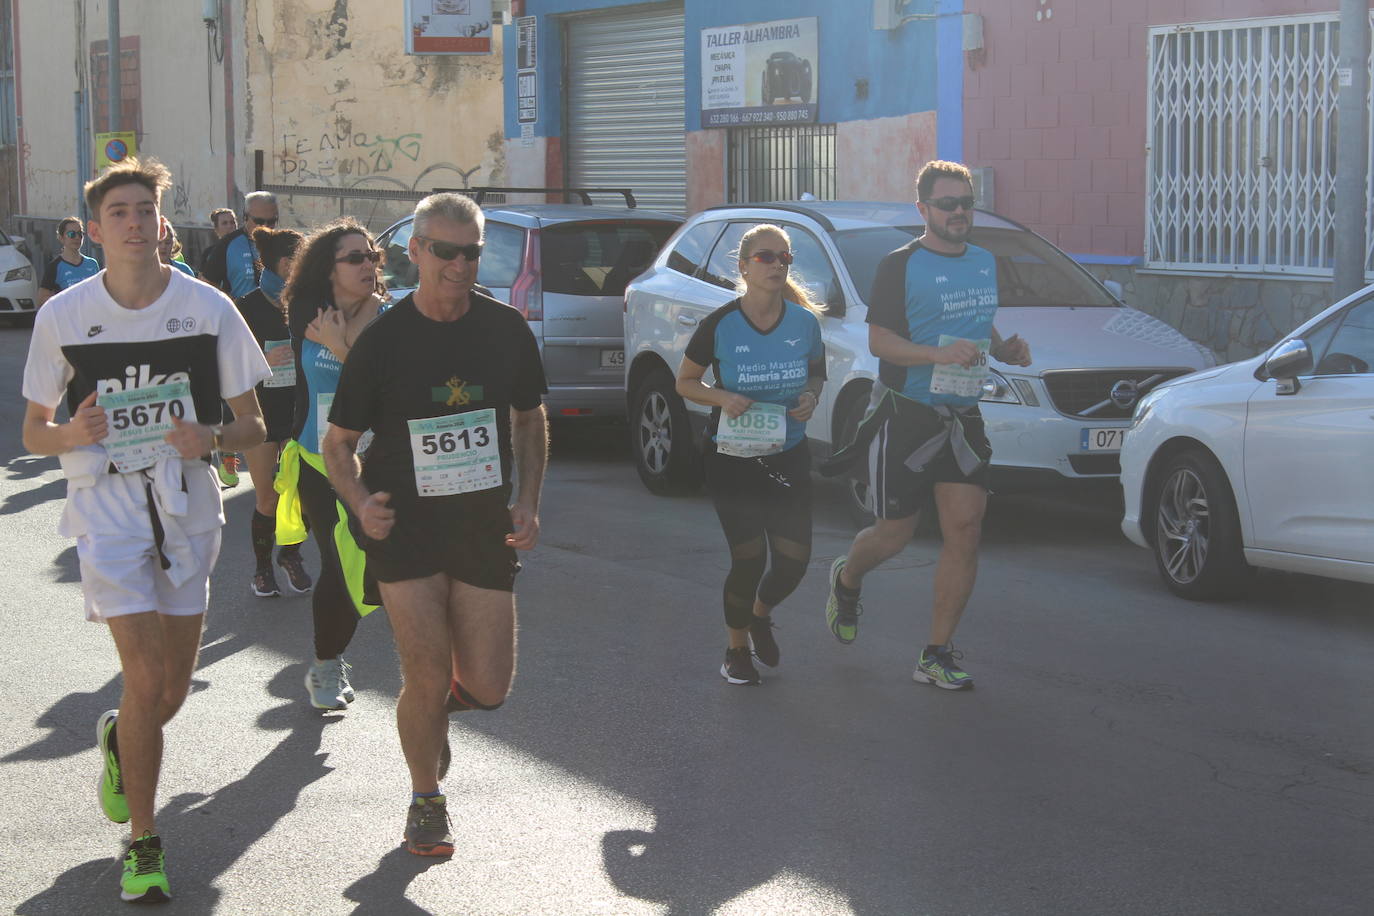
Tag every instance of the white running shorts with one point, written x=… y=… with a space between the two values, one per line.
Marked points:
x=122 y=575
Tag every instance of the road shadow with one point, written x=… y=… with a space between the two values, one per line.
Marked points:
x=206 y=833
x=383 y=892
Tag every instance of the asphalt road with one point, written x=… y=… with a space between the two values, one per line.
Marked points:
x=1124 y=752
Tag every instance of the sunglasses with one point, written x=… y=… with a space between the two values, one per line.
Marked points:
x=765 y=256
x=447 y=251
x=357 y=257
x=269 y=223
x=950 y=204
x=74 y=233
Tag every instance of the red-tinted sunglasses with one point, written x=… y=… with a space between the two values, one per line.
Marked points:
x=766 y=256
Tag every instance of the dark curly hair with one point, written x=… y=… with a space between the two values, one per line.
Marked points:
x=275 y=244
x=309 y=288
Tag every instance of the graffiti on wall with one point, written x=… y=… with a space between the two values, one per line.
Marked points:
x=343 y=153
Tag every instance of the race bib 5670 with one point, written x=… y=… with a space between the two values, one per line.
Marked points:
x=139 y=419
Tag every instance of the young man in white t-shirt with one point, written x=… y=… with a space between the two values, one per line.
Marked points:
x=142 y=355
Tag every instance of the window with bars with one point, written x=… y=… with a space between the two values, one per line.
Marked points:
x=1242 y=146
x=781 y=163
x=130 y=84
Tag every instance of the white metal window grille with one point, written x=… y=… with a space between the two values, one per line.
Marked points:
x=1242 y=146
x=781 y=163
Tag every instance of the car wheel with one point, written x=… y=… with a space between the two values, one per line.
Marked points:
x=1197 y=540
x=661 y=436
x=856 y=501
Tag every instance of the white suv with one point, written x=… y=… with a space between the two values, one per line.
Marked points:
x=1062 y=418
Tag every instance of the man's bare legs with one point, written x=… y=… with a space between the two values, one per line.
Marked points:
x=157 y=653
x=440 y=624
x=960 y=507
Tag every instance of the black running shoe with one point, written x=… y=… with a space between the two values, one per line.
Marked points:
x=765 y=646
x=427 y=827
x=738 y=667
x=296 y=576
x=265 y=584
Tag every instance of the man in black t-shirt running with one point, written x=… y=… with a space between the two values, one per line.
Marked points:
x=451 y=384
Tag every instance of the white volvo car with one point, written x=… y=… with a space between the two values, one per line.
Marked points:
x=1062 y=418
x=1266 y=462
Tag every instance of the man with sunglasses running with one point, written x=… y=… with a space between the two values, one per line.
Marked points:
x=232 y=262
x=451 y=384
x=930 y=325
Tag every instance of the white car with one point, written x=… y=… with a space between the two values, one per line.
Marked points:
x=18 y=285
x=1062 y=418
x=1267 y=462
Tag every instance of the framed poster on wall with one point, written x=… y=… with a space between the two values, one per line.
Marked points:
x=448 y=26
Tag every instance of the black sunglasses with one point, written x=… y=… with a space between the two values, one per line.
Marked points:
x=269 y=223
x=950 y=204
x=767 y=256
x=357 y=257
x=74 y=233
x=447 y=251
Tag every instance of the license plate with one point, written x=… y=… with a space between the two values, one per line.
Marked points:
x=612 y=359
x=1102 y=439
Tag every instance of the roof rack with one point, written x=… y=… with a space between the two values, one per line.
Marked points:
x=584 y=193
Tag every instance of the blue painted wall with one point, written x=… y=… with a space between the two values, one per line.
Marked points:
x=902 y=66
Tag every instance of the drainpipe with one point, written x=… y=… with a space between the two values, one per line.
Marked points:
x=1352 y=148
x=112 y=44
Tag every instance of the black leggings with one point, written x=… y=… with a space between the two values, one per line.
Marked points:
x=764 y=506
x=336 y=618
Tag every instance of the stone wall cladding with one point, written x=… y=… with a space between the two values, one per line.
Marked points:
x=1236 y=317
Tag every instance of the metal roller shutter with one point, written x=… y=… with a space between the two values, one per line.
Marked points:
x=626 y=108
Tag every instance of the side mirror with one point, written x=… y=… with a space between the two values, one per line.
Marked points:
x=1115 y=289
x=834 y=303
x=1289 y=360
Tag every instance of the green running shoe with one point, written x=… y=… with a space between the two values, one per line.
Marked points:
x=110 y=786
x=227 y=466
x=145 y=872
x=939 y=668
x=842 y=614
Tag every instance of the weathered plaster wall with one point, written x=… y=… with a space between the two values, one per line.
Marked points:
x=182 y=103
x=334 y=100
x=878 y=159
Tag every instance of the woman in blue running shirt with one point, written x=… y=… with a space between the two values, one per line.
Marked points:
x=334 y=290
x=765 y=349
x=169 y=249
x=70 y=266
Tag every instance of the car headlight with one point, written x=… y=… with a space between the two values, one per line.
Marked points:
x=19 y=273
x=997 y=390
x=1143 y=407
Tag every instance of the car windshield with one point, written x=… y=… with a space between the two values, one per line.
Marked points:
x=1030 y=271
x=597 y=258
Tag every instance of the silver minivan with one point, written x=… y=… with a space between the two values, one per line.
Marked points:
x=565 y=268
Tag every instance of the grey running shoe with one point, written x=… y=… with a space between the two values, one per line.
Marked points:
x=427 y=827
x=324 y=681
x=738 y=667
